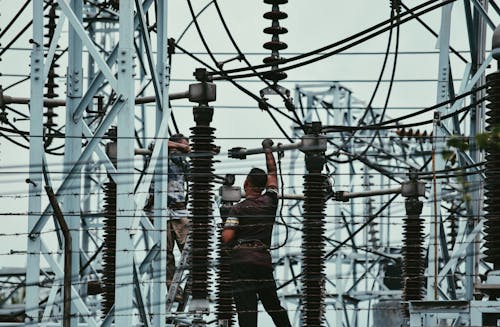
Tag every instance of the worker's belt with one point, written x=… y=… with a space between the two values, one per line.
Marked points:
x=177 y=205
x=249 y=244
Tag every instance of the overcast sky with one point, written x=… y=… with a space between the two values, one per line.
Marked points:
x=311 y=24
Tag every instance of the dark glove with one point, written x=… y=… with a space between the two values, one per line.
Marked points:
x=267 y=143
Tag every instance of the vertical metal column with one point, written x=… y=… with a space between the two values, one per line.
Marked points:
x=125 y=172
x=73 y=145
x=35 y=174
x=476 y=126
x=438 y=162
x=161 y=170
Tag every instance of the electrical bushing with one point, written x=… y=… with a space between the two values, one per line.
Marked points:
x=313 y=245
x=201 y=179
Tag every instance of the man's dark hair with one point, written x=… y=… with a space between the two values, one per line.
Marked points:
x=257 y=178
x=178 y=137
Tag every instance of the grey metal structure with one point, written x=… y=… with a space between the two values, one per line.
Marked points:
x=140 y=272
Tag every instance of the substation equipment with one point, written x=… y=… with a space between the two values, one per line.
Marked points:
x=347 y=271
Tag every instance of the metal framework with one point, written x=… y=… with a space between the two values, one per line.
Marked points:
x=125 y=47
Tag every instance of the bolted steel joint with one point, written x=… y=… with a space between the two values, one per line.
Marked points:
x=340 y=196
x=203 y=115
x=230 y=193
x=412 y=188
x=237 y=153
x=201 y=75
x=315 y=162
x=413 y=206
x=313 y=143
x=202 y=92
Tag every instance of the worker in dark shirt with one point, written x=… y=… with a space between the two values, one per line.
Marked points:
x=248 y=229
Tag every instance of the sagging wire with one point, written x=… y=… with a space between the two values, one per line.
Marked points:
x=351 y=236
x=24 y=29
x=377 y=85
x=384 y=125
x=242 y=56
x=207 y=48
x=243 y=89
x=330 y=46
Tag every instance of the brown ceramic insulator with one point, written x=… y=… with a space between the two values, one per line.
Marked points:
x=109 y=249
x=275 y=45
x=200 y=190
x=413 y=253
x=492 y=180
x=313 y=249
x=224 y=308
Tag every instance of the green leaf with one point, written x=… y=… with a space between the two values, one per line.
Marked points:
x=447 y=154
x=482 y=140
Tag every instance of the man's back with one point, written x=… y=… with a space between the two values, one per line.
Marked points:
x=256 y=218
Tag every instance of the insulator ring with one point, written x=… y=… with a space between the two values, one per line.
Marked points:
x=414 y=134
x=275 y=75
x=115 y=4
x=275 y=2
x=271 y=59
x=275 y=45
x=275 y=15
x=275 y=30
x=50 y=114
x=396 y=5
x=51 y=95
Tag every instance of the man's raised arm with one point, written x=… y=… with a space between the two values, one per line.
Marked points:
x=272 y=173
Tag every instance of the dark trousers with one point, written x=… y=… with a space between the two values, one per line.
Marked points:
x=251 y=283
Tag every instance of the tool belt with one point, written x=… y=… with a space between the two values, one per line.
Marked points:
x=256 y=244
x=251 y=253
x=177 y=206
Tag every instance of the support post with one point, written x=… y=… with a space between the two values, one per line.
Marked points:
x=124 y=289
x=161 y=170
x=35 y=174
x=437 y=161
x=73 y=145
